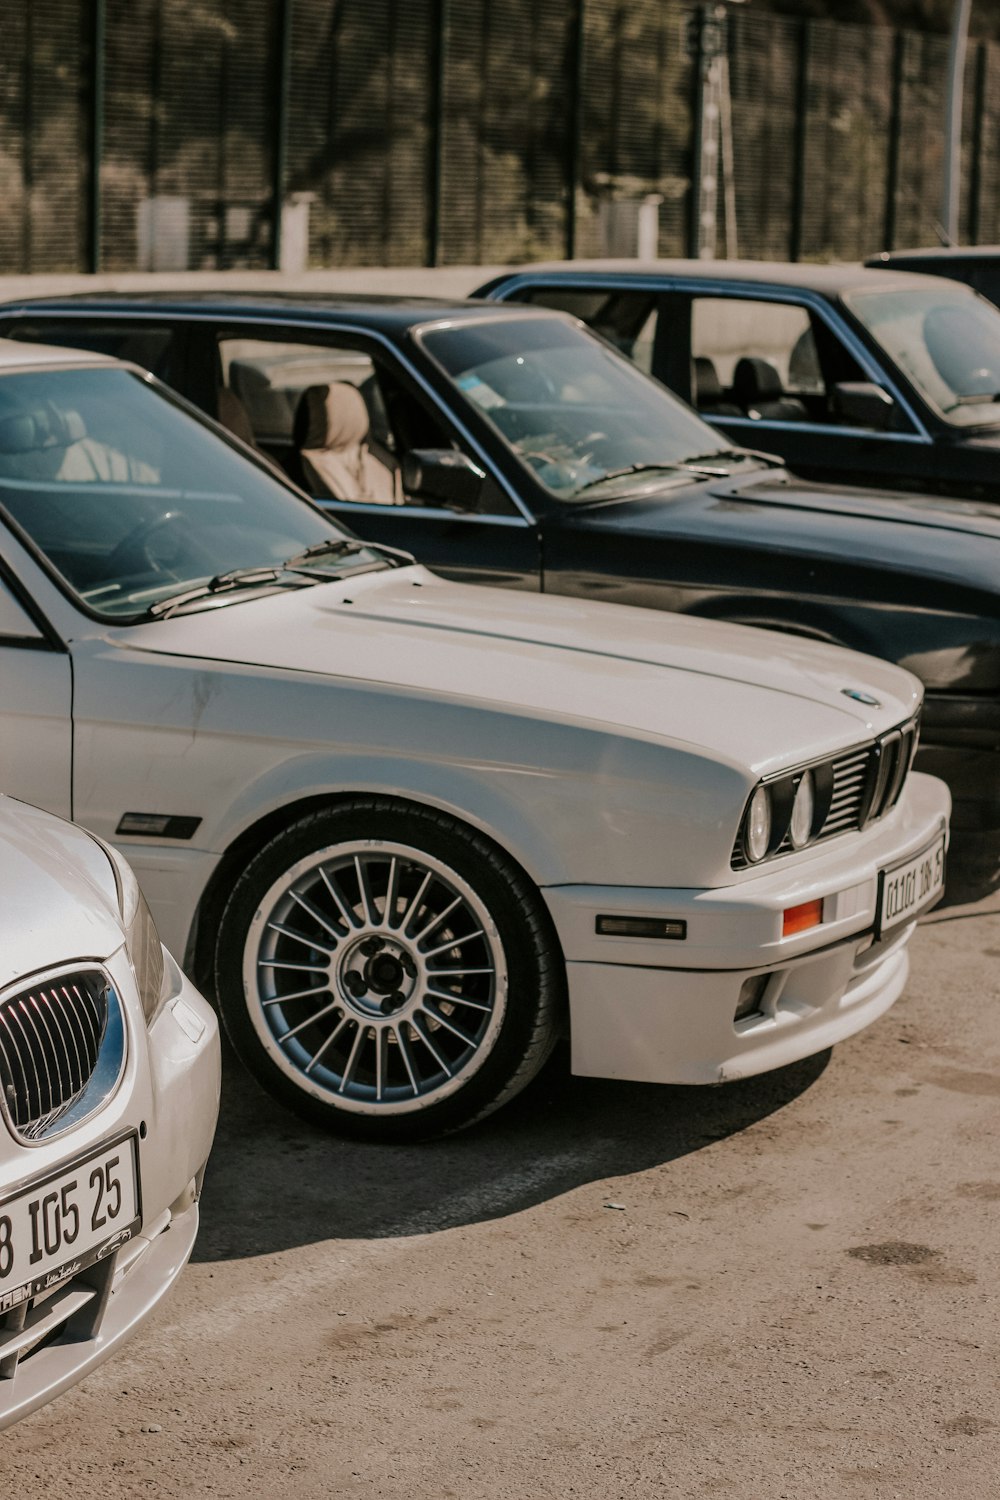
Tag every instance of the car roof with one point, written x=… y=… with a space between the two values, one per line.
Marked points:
x=935 y=252
x=18 y=356
x=392 y=313
x=828 y=280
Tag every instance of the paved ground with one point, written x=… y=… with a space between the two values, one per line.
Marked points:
x=782 y=1288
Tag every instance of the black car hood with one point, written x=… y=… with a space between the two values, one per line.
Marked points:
x=928 y=538
x=940 y=512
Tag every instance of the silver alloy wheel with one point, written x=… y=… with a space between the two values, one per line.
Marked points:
x=375 y=977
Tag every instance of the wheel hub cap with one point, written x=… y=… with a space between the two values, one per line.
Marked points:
x=375 y=977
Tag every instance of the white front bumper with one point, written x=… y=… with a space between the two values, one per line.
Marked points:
x=170 y=1095
x=663 y=1011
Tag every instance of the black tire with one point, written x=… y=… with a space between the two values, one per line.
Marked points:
x=526 y=1011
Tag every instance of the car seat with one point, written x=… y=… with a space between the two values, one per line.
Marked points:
x=757 y=388
x=706 y=390
x=332 y=438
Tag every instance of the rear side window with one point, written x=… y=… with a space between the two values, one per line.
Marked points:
x=145 y=344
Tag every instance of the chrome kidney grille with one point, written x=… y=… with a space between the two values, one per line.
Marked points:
x=853 y=789
x=62 y=1049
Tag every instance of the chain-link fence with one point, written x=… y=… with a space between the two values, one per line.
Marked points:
x=176 y=134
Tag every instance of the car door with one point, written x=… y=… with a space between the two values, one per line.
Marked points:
x=36 y=705
x=777 y=372
x=267 y=373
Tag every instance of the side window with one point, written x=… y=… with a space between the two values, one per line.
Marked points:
x=626 y=319
x=336 y=417
x=144 y=344
x=767 y=361
x=16 y=624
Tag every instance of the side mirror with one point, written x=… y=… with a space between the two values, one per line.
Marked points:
x=864 y=404
x=444 y=476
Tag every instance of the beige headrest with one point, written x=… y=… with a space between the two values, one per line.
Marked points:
x=336 y=417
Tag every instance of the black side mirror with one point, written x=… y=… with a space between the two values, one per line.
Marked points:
x=444 y=476
x=864 y=404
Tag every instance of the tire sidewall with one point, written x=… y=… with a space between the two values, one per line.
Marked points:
x=502 y=889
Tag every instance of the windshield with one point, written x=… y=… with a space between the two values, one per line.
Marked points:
x=580 y=416
x=946 y=341
x=133 y=500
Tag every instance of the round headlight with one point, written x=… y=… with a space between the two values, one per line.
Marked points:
x=803 y=809
x=758 y=834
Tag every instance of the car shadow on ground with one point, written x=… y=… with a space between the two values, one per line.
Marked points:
x=274 y=1182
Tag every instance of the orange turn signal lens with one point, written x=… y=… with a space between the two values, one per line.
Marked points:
x=801 y=918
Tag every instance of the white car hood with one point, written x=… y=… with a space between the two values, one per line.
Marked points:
x=754 y=697
x=58 y=898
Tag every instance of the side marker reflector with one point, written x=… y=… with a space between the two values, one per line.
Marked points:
x=801 y=918
x=640 y=927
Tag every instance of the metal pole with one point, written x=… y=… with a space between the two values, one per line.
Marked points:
x=278 y=183
x=953 y=119
x=698 y=143
x=895 y=131
x=978 y=120
x=439 y=28
x=574 y=144
x=96 y=136
x=795 y=238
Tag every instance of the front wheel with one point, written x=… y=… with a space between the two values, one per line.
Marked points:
x=386 y=972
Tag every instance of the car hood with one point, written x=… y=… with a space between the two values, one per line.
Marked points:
x=924 y=537
x=937 y=512
x=57 y=893
x=750 y=696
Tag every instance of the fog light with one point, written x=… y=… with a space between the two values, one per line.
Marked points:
x=801 y=918
x=751 y=995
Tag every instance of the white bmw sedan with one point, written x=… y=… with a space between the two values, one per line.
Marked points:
x=411 y=830
x=109 y=1091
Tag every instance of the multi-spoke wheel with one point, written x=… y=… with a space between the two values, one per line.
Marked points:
x=385 y=970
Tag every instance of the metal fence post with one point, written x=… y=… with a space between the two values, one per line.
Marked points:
x=97 y=43
x=435 y=141
x=976 y=163
x=895 y=132
x=574 y=140
x=796 y=236
x=283 y=80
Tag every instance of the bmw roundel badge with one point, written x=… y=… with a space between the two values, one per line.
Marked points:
x=860 y=697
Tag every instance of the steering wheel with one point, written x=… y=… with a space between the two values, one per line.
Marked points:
x=134 y=553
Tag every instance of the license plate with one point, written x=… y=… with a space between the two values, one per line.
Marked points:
x=908 y=888
x=65 y=1221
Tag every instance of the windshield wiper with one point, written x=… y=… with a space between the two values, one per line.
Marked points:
x=623 y=473
x=222 y=583
x=343 y=546
x=294 y=571
x=773 y=460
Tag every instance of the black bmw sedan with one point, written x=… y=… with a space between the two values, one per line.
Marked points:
x=853 y=375
x=512 y=447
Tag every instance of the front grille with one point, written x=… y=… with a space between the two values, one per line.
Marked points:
x=852 y=789
x=50 y=1044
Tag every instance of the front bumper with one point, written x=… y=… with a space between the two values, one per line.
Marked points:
x=662 y=1011
x=170 y=1094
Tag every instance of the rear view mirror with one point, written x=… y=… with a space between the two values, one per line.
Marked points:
x=864 y=404
x=444 y=476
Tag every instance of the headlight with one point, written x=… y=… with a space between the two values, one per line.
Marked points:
x=803 y=811
x=758 y=826
x=142 y=941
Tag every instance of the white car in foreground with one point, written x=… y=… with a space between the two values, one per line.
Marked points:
x=109 y=1092
x=415 y=829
